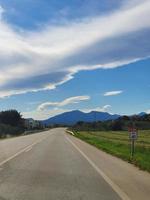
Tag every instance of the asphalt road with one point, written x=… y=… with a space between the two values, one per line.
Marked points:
x=56 y=166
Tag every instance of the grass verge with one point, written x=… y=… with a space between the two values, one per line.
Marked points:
x=118 y=144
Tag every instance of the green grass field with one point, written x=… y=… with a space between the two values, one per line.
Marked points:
x=117 y=143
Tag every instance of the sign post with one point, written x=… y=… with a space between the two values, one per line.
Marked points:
x=133 y=133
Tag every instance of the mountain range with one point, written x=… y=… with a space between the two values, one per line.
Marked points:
x=72 y=117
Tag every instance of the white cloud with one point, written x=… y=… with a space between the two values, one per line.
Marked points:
x=113 y=93
x=148 y=111
x=57 y=52
x=1 y=11
x=70 y=100
x=105 y=108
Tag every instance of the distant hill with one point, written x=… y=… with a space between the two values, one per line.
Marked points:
x=72 y=117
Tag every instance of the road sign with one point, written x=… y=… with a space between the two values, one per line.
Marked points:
x=133 y=134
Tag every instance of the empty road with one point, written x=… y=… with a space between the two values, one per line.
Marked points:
x=54 y=165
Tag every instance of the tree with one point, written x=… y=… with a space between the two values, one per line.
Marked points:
x=117 y=125
x=11 y=117
x=125 y=117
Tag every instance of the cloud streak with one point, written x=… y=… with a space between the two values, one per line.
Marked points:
x=68 y=101
x=113 y=93
x=51 y=56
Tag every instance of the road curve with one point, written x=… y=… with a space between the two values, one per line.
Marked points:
x=56 y=166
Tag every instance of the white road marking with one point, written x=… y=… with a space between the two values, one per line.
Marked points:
x=115 y=187
x=71 y=132
x=29 y=149
x=23 y=150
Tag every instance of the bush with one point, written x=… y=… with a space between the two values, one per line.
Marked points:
x=6 y=130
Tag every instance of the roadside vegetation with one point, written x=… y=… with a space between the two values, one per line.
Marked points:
x=121 y=124
x=113 y=137
x=118 y=143
x=12 y=124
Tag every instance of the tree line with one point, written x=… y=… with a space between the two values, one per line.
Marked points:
x=122 y=123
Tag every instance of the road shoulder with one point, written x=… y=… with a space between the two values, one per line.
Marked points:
x=134 y=182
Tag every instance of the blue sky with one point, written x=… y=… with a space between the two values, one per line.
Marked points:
x=58 y=56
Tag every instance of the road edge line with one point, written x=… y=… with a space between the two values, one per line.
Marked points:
x=114 y=186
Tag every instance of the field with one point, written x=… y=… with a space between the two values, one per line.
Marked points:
x=117 y=143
